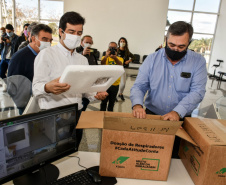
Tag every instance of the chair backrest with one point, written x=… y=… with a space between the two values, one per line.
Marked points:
x=137 y=59
x=144 y=58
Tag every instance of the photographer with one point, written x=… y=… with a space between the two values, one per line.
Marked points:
x=7 y=46
x=84 y=49
x=111 y=58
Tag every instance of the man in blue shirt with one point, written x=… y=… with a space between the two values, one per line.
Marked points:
x=174 y=78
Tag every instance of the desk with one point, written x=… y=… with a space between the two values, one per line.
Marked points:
x=177 y=174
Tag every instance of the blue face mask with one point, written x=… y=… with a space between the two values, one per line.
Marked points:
x=10 y=34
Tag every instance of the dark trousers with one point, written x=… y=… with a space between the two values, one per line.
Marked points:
x=177 y=140
x=3 y=68
x=85 y=103
x=112 y=93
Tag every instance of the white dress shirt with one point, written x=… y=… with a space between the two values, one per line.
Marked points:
x=49 y=65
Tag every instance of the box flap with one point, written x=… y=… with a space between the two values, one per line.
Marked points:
x=184 y=135
x=91 y=119
x=122 y=121
x=142 y=125
x=211 y=130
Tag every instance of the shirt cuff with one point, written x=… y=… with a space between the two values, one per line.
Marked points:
x=137 y=102
x=180 y=110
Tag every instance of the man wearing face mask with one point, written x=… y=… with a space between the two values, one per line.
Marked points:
x=50 y=64
x=174 y=78
x=22 y=62
x=7 y=46
x=84 y=49
x=23 y=37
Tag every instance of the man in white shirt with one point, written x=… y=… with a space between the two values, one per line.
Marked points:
x=51 y=62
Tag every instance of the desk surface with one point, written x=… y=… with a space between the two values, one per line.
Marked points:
x=177 y=174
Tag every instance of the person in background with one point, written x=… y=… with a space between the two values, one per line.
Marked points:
x=7 y=46
x=84 y=49
x=23 y=37
x=29 y=29
x=111 y=58
x=123 y=51
x=22 y=62
x=2 y=32
x=174 y=79
x=51 y=62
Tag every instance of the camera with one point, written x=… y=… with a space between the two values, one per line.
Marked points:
x=4 y=38
x=112 y=51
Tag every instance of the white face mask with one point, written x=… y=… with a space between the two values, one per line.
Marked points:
x=72 y=41
x=87 y=45
x=43 y=45
x=122 y=44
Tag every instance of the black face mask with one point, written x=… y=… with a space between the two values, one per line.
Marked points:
x=174 y=55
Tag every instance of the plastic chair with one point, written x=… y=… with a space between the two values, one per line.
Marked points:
x=137 y=59
x=144 y=58
x=216 y=66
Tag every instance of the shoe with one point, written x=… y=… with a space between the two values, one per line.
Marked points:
x=122 y=97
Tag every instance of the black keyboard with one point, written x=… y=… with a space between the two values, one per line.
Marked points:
x=77 y=178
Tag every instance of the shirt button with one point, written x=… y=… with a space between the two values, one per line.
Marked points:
x=167 y=106
x=171 y=76
x=168 y=96
x=170 y=86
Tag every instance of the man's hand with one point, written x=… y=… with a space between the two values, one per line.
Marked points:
x=7 y=41
x=86 y=51
x=139 y=112
x=55 y=87
x=172 y=116
x=107 y=54
x=114 y=57
x=101 y=95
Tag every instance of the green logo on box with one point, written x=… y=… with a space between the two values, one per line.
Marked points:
x=148 y=164
x=186 y=148
x=120 y=160
x=222 y=171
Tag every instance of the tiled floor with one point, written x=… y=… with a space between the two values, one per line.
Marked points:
x=91 y=137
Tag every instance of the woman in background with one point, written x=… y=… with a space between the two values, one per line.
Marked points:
x=123 y=51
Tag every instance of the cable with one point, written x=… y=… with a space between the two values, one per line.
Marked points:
x=78 y=161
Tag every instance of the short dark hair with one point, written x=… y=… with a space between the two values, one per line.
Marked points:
x=40 y=27
x=27 y=24
x=73 y=18
x=179 y=28
x=9 y=27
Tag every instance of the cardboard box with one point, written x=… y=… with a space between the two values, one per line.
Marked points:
x=205 y=164
x=131 y=147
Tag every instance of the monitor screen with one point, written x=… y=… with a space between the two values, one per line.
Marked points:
x=27 y=142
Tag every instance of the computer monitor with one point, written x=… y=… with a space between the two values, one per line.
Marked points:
x=31 y=142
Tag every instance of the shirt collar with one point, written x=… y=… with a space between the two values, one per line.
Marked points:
x=183 y=59
x=64 y=50
x=33 y=51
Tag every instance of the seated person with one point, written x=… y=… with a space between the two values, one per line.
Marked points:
x=111 y=58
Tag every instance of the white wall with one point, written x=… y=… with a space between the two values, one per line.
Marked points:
x=219 y=47
x=142 y=22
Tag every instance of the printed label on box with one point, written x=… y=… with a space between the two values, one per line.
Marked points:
x=148 y=164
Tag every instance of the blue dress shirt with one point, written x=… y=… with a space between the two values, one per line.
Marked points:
x=166 y=89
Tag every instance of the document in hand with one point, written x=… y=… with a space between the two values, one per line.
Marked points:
x=89 y=78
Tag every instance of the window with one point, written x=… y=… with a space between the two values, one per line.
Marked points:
x=203 y=15
x=27 y=11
